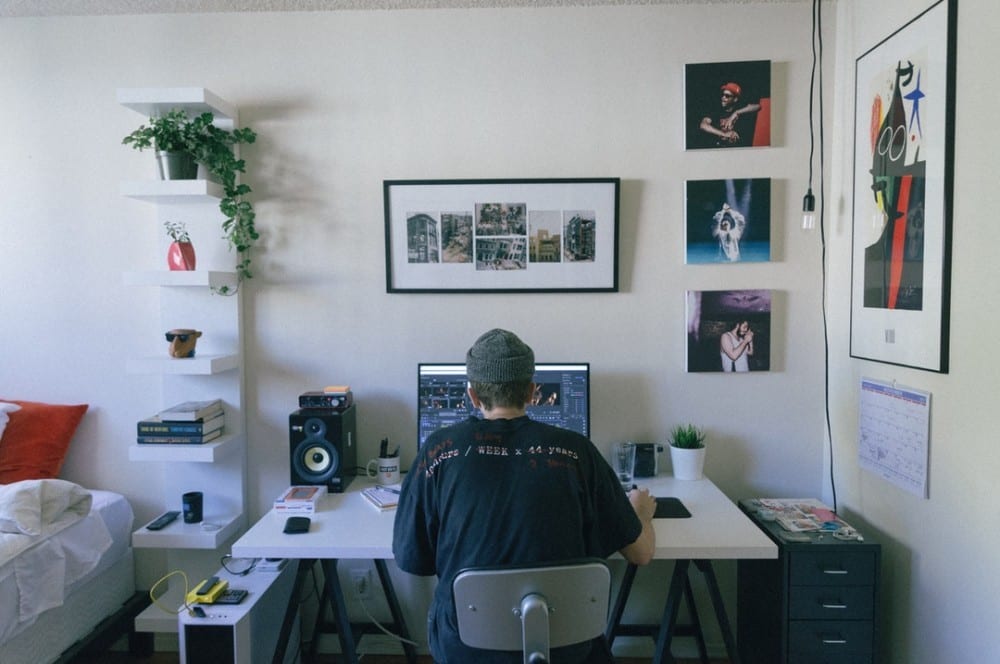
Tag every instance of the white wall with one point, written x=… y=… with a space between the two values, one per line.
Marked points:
x=940 y=590
x=344 y=100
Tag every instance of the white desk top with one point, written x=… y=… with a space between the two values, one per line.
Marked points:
x=346 y=526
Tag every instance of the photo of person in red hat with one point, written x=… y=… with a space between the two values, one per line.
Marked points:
x=728 y=104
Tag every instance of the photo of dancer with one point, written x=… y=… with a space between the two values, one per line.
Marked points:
x=728 y=221
x=729 y=331
x=728 y=104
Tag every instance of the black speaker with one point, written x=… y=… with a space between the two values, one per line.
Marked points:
x=646 y=457
x=323 y=447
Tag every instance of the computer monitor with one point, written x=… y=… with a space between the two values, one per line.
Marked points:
x=562 y=396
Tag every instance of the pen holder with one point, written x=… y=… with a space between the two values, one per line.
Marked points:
x=384 y=470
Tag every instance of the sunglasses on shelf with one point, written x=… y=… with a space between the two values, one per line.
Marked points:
x=180 y=337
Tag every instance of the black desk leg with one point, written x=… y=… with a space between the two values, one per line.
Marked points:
x=335 y=592
x=305 y=566
x=699 y=636
x=397 y=613
x=705 y=566
x=620 y=600
x=669 y=619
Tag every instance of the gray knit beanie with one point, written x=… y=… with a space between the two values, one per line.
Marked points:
x=499 y=357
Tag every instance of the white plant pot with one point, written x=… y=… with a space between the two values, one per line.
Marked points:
x=688 y=464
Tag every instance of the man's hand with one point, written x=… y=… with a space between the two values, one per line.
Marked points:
x=640 y=552
x=643 y=503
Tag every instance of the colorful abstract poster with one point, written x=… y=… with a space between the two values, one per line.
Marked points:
x=903 y=156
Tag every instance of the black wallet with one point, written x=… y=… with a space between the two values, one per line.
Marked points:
x=297 y=524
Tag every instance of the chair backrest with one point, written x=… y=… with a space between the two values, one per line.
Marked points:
x=532 y=609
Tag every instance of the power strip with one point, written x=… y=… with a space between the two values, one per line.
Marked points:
x=270 y=564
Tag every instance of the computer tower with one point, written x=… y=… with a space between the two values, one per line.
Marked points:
x=244 y=633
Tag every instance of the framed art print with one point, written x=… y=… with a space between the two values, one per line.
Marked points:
x=727 y=104
x=903 y=170
x=729 y=331
x=728 y=221
x=459 y=236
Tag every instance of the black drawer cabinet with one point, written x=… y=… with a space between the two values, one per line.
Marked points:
x=817 y=603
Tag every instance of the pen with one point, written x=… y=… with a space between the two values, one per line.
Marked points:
x=391 y=490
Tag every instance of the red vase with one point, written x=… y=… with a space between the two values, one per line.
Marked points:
x=180 y=256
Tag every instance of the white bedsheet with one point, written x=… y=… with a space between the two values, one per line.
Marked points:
x=68 y=551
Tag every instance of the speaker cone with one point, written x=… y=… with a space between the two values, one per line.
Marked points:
x=316 y=461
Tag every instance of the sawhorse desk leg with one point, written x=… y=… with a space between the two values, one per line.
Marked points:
x=334 y=592
x=292 y=610
x=397 y=613
x=673 y=601
x=680 y=580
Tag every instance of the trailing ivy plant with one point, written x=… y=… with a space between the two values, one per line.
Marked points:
x=211 y=147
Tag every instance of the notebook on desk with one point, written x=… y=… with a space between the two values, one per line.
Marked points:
x=670 y=508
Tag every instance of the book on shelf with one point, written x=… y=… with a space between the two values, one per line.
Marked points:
x=299 y=499
x=179 y=439
x=157 y=426
x=383 y=497
x=191 y=411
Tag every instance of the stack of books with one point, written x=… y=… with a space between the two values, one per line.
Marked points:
x=190 y=423
x=299 y=499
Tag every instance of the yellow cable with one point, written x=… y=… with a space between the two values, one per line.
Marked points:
x=183 y=595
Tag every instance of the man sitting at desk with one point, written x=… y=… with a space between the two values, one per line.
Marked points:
x=508 y=490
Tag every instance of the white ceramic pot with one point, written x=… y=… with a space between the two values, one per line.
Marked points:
x=688 y=464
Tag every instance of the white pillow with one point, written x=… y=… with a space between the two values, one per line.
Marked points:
x=4 y=418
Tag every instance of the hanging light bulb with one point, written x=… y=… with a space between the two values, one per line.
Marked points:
x=808 y=211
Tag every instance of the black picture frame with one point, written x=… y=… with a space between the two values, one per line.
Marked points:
x=501 y=235
x=904 y=154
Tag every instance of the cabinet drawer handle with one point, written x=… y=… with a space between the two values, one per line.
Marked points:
x=832 y=605
x=834 y=571
x=834 y=642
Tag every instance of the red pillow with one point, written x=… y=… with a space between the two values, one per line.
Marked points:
x=36 y=440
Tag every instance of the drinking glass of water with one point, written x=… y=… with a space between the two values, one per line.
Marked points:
x=623 y=462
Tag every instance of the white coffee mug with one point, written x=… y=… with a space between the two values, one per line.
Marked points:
x=384 y=470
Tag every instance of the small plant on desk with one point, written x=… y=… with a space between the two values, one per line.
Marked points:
x=687 y=437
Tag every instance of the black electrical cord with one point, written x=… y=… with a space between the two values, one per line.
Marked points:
x=817 y=46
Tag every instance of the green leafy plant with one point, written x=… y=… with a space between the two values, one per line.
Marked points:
x=687 y=436
x=177 y=231
x=211 y=147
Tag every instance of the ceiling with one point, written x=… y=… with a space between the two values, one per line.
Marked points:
x=24 y=8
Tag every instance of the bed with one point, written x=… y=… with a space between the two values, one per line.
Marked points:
x=66 y=567
x=57 y=590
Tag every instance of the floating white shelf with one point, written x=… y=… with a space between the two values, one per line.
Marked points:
x=200 y=278
x=200 y=365
x=170 y=192
x=180 y=535
x=154 y=102
x=203 y=453
x=155 y=619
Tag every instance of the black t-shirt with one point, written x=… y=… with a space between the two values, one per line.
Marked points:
x=501 y=492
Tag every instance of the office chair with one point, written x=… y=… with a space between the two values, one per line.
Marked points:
x=534 y=608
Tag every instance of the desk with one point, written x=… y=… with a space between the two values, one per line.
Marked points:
x=716 y=530
x=346 y=526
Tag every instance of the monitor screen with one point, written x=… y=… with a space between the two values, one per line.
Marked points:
x=562 y=397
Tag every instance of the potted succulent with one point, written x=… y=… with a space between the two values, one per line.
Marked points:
x=687 y=452
x=211 y=147
x=180 y=254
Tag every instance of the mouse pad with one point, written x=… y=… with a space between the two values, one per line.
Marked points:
x=670 y=508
